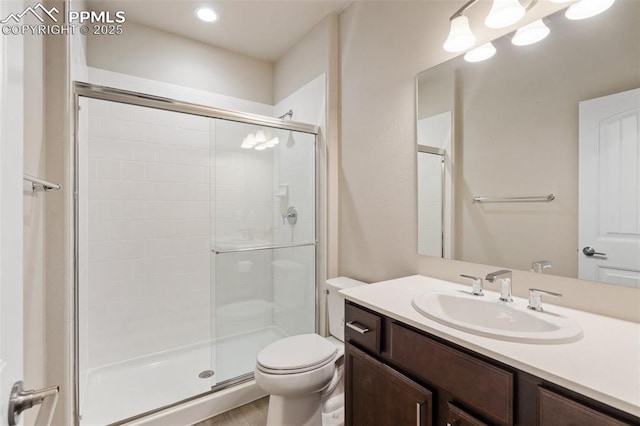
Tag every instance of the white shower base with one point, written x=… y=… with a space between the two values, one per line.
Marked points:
x=118 y=391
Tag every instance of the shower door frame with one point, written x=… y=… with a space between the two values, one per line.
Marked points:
x=94 y=91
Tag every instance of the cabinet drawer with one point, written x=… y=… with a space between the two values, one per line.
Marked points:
x=458 y=417
x=483 y=387
x=555 y=409
x=362 y=327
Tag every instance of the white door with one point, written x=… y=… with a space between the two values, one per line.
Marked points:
x=609 y=179
x=11 y=125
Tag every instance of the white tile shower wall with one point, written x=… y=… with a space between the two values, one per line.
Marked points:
x=148 y=231
x=295 y=160
x=243 y=204
x=294 y=269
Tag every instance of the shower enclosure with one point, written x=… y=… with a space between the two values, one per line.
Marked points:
x=195 y=248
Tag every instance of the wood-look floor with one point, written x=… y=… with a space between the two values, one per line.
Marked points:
x=253 y=414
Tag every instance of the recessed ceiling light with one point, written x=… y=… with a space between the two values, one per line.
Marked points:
x=206 y=14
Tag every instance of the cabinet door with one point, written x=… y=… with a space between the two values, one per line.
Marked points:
x=555 y=409
x=458 y=417
x=485 y=388
x=377 y=395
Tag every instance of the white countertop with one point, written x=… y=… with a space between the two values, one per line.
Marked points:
x=603 y=365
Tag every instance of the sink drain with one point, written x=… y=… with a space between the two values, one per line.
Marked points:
x=206 y=374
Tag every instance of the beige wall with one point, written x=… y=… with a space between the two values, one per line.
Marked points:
x=307 y=59
x=383 y=46
x=157 y=55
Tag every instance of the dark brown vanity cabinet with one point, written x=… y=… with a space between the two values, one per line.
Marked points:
x=396 y=375
x=379 y=395
x=555 y=409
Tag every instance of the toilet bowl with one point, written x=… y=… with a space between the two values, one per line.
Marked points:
x=303 y=373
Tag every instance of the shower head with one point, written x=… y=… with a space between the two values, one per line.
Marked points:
x=287 y=114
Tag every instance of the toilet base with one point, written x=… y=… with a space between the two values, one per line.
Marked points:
x=295 y=411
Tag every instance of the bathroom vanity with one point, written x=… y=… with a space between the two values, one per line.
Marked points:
x=403 y=368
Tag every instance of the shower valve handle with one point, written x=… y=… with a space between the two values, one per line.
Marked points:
x=290 y=216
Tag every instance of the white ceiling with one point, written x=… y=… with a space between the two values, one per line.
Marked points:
x=264 y=29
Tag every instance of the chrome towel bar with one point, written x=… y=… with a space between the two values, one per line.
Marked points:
x=41 y=185
x=531 y=199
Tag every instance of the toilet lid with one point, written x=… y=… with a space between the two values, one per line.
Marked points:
x=296 y=353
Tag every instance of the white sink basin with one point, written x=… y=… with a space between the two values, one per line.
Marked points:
x=486 y=316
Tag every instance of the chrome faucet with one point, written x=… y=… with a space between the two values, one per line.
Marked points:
x=540 y=265
x=477 y=284
x=503 y=276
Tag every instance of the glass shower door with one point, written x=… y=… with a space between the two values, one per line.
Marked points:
x=263 y=242
x=144 y=274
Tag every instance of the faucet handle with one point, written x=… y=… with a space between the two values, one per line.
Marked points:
x=477 y=284
x=540 y=265
x=535 y=298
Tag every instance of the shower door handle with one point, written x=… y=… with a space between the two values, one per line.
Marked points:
x=21 y=400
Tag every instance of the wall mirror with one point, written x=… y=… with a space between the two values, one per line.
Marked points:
x=556 y=122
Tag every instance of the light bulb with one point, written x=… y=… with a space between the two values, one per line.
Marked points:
x=247 y=144
x=587 y=8
x=460 y=36
x=261 y=136
x=531 y=33
x=481 y=53
x=504 y=13
x=206 y=14
x=261 y=147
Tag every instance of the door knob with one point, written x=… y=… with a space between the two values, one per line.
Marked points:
x=590 y=251
x=21 y=400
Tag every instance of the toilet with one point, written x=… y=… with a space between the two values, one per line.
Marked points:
x=303 y=373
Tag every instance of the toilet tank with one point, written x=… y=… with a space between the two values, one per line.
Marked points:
x=335 y=303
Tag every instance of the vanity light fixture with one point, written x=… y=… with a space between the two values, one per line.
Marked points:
x=259 y=141
x=504 y=13
x=507 y=12
x=206 y=14
x=584 y=9
x=261 y=136
x=460 y=36
x=530 y=33
x=481 y=53
x=273 y=142
x=249 y=141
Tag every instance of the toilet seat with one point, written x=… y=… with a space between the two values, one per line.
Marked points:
x=296 y=354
